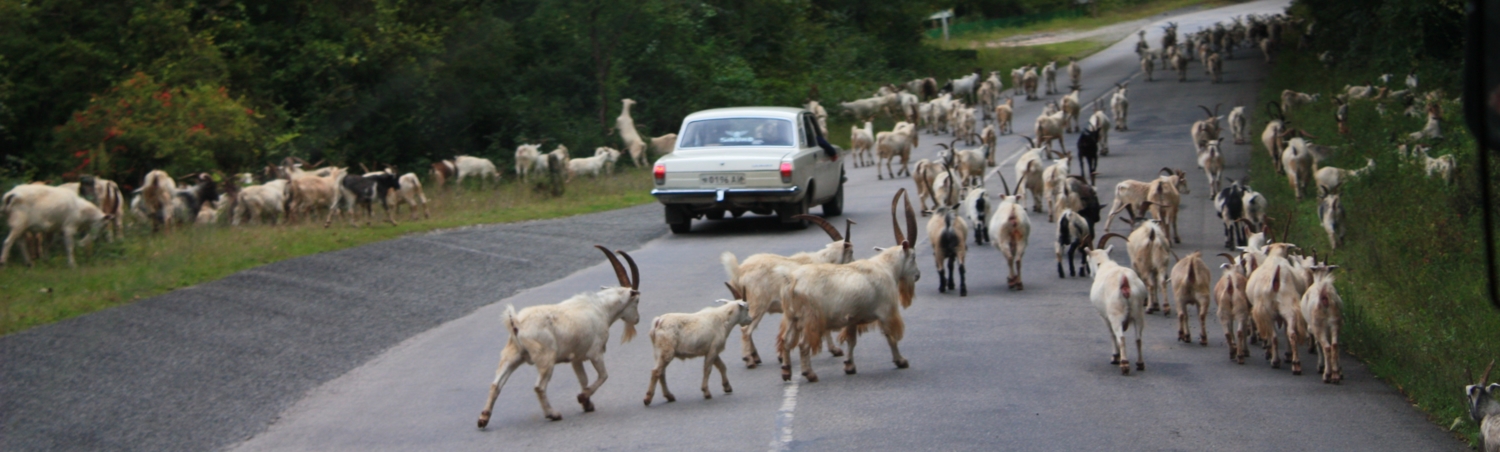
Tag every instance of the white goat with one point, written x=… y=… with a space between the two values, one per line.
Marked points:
x=602 y=162
x=1120 y=106
x=700 y=334
x=1331 y=216
x=481 y=168
x=1239 y=122
x=1010 y=229
x=665 y=144
x=1323 y=308
x=821 y=298
x=1190 y=287
x=411 y=195
x=1212 y=162
x=256 y=201
x=1331 y=180
x=527 y=156
x=633 y=142
x=761 y=278
x=43 y=209
x=1234 y=310
x=1117 y=293
x=572 y=331
x=1150 y=255
x=1274 y=296
x=861 y=143
x=1049 y=72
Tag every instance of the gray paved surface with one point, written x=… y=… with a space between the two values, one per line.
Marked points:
x=996 y=370
x=210 y=365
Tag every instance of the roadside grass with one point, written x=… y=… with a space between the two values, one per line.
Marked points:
x=145 y=264
x=1107 y=16
x=1412 y=272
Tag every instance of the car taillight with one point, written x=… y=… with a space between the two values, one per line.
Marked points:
x=786 y=172
x=661 y=173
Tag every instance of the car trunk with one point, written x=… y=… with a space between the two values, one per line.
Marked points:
x=723 y=168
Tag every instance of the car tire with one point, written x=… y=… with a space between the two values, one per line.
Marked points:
x=678 y=219
x=835 y=207
x=791 y=209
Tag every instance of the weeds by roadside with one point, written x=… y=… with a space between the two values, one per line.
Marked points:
x=1412 y=266
x=143 y=264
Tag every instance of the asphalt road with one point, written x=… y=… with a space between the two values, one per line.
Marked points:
x=392 y=346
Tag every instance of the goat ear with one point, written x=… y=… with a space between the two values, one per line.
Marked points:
x=878 y=249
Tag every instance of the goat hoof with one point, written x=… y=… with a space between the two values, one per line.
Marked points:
x=484 y=419
x=963 y=292
x=648 y=401
x=1140 y=366
x=708 y=396
x=670 y=398
x=850 y=371
x=554 y=417
x=811 y=377
x=836 y=352
x=902 y=364
x=588 y=405
x=728 y=390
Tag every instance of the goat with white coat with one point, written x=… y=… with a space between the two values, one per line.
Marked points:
x=1010 y=229
x=699 y=334
x=1323 y=308
x=761 y=278
x=1117 y=293
x=572 y=331
x=821 y=298
x=43 y=209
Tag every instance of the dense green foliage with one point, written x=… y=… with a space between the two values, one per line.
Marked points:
x=394 y=81
x=1412 y=267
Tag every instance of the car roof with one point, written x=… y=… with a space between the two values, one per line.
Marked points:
x=789 y=113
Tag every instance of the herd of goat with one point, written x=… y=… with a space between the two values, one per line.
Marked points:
x=1267 y=289
x=292 y=189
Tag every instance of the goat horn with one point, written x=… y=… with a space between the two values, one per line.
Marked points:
x=896 y=225
x=1304 y=133
x=1105 y=239
x=1169 y=171
x=1486 y=376
x=619 y=270
x=1229 y=257
x=1205 y=111
x=1029 y=140
x=848 y=224
x=1216 y=109
x=832 y=231
x=635 y=272
x=363 y=167
x=732 y=292
x=911 y=221
x=1003 y=183
x=1285 y=233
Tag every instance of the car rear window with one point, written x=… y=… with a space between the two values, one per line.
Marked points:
x=738 y=132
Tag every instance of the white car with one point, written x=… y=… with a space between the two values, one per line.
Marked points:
x=749 y=159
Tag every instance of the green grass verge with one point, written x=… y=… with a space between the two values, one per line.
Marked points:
x=144 y=264
x=1412 y=268
x=1106 y=16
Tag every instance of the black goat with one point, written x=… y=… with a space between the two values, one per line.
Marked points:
x=1088 y=153
x=1231 y=208
x=205 y=191
x=364 y=190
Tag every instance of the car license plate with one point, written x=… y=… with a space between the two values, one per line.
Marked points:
x=723 y=179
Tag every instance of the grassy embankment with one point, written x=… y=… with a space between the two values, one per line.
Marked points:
x=144 y=264
x=1412 y=266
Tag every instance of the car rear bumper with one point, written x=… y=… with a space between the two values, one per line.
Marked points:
x=728 y=196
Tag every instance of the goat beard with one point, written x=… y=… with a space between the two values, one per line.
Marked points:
x=908 y=292
x=629 y=333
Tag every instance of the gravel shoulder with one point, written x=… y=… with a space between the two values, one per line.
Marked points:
x=210 y=365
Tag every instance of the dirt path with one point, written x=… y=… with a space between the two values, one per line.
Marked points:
x=1109 y=33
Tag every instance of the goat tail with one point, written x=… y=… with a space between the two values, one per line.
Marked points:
x=9 y=199
x=731 y=269
x=508 y=318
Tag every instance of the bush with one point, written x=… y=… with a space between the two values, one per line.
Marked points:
x=140 y=125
